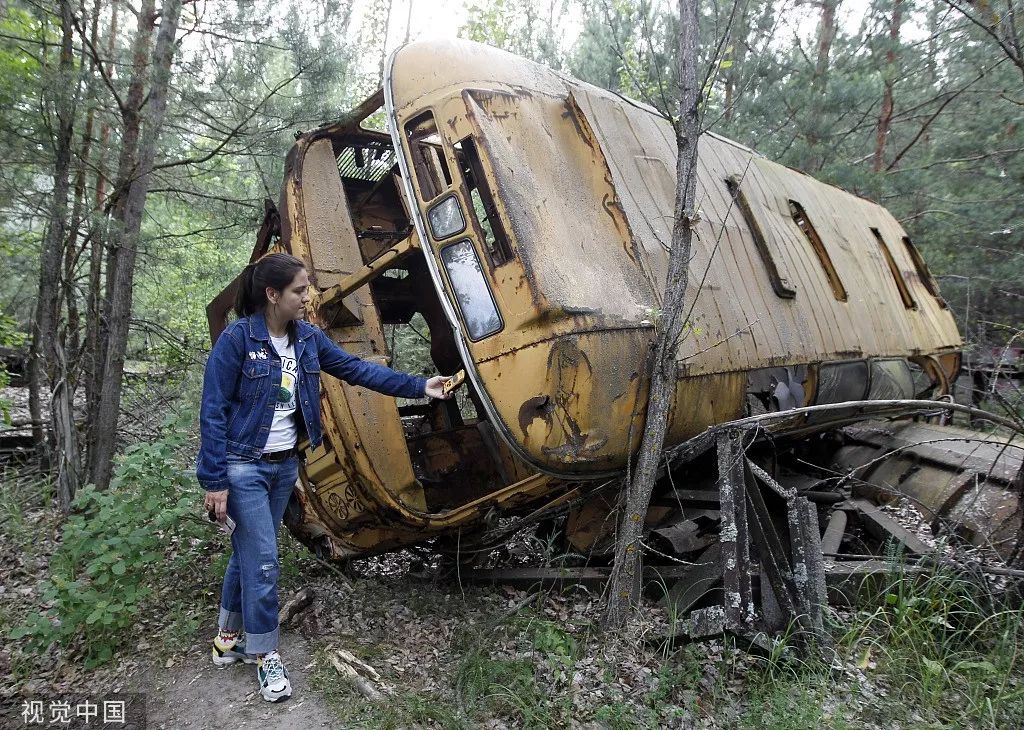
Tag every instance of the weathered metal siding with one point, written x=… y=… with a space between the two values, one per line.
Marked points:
x=585 y=184
x=736 y=303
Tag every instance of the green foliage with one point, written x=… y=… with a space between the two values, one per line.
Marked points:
x=500 y=685
x=115 y=547
x=554 y=642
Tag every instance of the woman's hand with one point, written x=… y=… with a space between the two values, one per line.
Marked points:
x=217 y=502
x=435 y=388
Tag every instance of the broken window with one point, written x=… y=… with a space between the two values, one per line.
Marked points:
x=471 y=291
x=908 y=300
x=428 y=156
x=804 y=224
x=446 y=218
x=780 y=284
x=922 y=270
x=494 y=237
x=370 y=160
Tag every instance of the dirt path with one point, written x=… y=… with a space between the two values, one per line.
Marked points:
x=195 y=694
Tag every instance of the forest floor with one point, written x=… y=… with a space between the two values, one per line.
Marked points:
x=459 y=656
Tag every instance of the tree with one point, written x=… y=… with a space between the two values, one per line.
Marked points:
x=626 y=575
x=135 y=171
x=45 y=341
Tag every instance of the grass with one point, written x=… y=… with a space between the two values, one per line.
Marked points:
x=932 y=651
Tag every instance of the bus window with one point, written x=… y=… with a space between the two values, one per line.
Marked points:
x=495 y=239
x=427 y=156
x=470 y=288
x=922 y=271
x=901 y=285
x=811 y=233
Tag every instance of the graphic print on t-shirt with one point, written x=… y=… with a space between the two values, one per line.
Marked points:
x=286 y=393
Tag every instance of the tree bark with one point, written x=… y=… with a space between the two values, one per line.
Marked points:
x=819 y=82
x=624 y=595
x=134 y=201
x=72 y=255
x=46 y=338
x=126 y=165
x=826 y=37
x=889 y=77
x=93 y=377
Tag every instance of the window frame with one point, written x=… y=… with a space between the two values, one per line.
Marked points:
x=423 y=169
x=472 y=162
x=780 y=285
x=440 y=201
x=908 y=299
x=797 y=213
x=455 y=292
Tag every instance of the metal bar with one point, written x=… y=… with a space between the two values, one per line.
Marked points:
x=814 y=565
x=774 y=560
x=369 y=272
x=701 y=498
x=882 y=526
x=834 y=532
x=701 y=443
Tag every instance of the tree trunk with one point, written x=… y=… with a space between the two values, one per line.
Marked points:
x=46 y=338
x=733 y=76
x=126 y=166
x=72 y=255
x=889 y=77
x=625 y=584
x=94 y=298
x=819 y=82
x=826 y=37
x=127 y=246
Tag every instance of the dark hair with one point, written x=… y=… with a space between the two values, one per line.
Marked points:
x=276 y=270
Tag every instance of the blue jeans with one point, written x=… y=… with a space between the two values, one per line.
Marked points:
x=257 y=500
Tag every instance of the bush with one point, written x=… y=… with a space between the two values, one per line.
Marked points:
x=115 y=546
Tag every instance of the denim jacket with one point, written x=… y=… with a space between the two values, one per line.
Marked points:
x=243 y=374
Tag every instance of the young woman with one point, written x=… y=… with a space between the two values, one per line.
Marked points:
x=261 y=386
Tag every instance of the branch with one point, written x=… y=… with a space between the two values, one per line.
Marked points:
x=216 y=150
x=101 y=65
x=1014 y=57
x=933 y=117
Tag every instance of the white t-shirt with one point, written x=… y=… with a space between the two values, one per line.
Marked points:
x=283 y=432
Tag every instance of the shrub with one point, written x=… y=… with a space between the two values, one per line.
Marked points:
x=115 y=547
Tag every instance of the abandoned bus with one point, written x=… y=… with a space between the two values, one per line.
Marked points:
x=527 y=217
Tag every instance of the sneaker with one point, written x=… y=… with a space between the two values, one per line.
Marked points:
x=228 y=651
x=273 y=677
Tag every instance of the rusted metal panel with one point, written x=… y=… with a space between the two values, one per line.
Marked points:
x=581 y=185
x=555 y=147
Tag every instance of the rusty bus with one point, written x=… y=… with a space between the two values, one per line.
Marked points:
x=527 y=217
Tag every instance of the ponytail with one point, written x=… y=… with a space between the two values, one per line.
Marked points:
x=245 y=303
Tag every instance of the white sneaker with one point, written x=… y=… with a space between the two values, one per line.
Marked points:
x=273 y=677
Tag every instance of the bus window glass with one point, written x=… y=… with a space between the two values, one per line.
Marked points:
x=467 y=279
x=446 y=218
x=495 y=239
x=428 y=158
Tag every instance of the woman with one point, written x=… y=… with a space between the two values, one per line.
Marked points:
x=262 y=377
